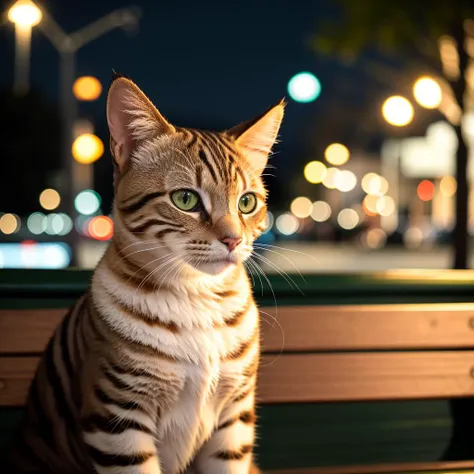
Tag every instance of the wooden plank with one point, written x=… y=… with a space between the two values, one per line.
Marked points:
x=27 y=331
x=405 y=468
x=321 y=377
x=300 y=328
x=15 y=378
x=366 y=376
x=413 y=326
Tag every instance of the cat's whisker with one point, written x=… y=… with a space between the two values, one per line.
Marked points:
x=268 y=283
x=264 y=246
x=275 y=267
x=282 y=256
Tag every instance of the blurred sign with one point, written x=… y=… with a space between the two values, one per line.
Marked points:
x=431 y=156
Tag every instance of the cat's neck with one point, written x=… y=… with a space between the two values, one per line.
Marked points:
x=191 y=299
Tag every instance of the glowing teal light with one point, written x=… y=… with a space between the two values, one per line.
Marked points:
x=87 y=202
x=304 y=87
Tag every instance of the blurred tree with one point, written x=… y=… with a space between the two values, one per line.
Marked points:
x=30 y=138
x=416 y=32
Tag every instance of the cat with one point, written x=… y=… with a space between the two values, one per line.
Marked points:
x=153 y=371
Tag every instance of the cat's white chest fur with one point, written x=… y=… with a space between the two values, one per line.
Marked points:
x=191 y=420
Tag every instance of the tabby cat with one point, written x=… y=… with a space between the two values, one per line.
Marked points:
x=153 y=371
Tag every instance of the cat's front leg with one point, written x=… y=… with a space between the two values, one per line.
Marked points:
x=119 y=429
x=120 y=446
x=229 y=450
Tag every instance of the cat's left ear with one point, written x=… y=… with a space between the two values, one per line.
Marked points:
x=132 y=120
x=256 y=137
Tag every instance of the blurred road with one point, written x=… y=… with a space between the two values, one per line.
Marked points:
x=311 y=257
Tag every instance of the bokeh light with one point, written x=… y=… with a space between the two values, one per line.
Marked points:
x=36 y=223
x=427 y=92
x=9 y=223
x=413 y=237
x=369 y=205
x=269 y=220
x=49 y=199
x=287 y=224
x=385 y=206
x=374 y=238
x=25 y=13
x=448 y=186
x=301 y=207
x=345 y=181
x=397 y=111
x=87 y=88
x=87 y=148
x=101 y=228
x=58 y=224
x=330 y=179
x=67 y=224
x=425 y=190
x=87 y=202
x=374 y=184
x=315 y=172
x=321 y=211
x=336 y=154
x=348 y=218
x=304 y=87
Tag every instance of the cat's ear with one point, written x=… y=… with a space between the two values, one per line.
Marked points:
x=256 y=137
x=132 y=119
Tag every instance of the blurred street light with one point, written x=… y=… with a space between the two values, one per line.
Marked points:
x=397 y=111
x=427 y=92
x=287 y=224
x=321 y=211
x=87 y=202
x=348 y=218
x=315 y=171
x=87 y=148
x=345 y=181
x=304 y=87
x=425 y=190
x=448 y=186
x=9 y=224
x=101 y=228
x=87 y=88
x=301 y=207
x=24 y=14
x=330 y=179
x=49 y=199
x=336 y=154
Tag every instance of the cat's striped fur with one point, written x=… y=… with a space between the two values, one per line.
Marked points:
x=154 y=369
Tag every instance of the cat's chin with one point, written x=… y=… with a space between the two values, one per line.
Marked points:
x=215 y=267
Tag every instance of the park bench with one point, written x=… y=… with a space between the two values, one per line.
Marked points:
x=373 y=373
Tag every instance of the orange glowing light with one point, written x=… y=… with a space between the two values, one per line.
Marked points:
x=101 y=228
x=87 y=88
x=425 y=190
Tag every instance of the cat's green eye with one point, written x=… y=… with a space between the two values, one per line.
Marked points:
x=247 y=203
x=185 y=199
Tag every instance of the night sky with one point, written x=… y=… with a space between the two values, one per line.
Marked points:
x=209 y=62
x=206 y=64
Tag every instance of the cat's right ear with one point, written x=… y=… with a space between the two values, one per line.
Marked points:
x=132 y=120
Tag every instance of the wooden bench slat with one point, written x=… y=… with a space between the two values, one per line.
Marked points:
x=441 y=467
x=27 y=331
x=15 y=378
x=415 y=326
x=366 y=376
x=303 y=328
x=320 y=377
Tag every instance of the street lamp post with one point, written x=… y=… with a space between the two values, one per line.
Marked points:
x=26 y=14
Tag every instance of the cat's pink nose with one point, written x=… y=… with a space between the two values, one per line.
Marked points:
x=231 y=242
